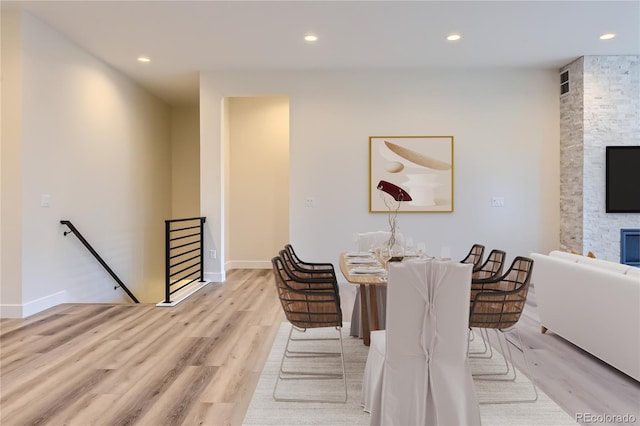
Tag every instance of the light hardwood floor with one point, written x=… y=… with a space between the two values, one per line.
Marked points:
x=573 y=378
x=199 y=362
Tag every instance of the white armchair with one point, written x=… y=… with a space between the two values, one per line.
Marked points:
x=417 y=371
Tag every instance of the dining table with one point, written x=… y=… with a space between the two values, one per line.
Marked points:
x=367 y=283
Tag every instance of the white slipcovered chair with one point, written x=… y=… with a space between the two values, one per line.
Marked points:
x=369 y=241
x=417 y=371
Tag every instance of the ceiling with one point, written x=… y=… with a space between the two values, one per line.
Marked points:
x=183 y=38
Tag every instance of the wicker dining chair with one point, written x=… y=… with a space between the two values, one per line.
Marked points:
x=474 y=256
x=304 y=266
x=308 y=303
x=490 y=269
x=498 y=306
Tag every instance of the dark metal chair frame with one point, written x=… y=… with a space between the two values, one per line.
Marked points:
x=474 y=256
x=309 y=300
x=309 y=267
x=490 y=269
x=498 y=305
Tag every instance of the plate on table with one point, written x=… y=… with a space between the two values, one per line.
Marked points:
x=413 y=258
x=359 y=254
x=363 y=261
x=367 y=270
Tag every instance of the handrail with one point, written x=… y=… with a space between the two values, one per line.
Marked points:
x=190 y=242
x=74 y=230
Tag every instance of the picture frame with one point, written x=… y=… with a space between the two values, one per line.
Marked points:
x=420 y=165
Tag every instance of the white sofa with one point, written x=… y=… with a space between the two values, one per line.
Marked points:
x=593 y=303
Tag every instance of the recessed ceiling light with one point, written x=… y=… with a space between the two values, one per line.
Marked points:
x=454 y=37
x=311 y=37
x=144 y=59
x=607 y=36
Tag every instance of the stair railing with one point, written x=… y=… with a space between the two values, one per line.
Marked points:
x=184 y=261
x=74 y=230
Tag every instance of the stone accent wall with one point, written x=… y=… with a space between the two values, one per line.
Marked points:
x=571 y=158
x=602 y=108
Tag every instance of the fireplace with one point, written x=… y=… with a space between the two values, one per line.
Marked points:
x=630 y=247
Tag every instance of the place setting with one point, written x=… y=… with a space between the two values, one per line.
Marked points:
x=369 y=260
x=374 y=262
x=368 y=270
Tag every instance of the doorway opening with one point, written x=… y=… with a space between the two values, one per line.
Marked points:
x=257 y=180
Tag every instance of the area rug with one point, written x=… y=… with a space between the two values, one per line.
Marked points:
x=263 y=410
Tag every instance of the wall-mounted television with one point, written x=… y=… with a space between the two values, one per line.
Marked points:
x=622 y=179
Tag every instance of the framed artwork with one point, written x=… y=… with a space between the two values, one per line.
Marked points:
x=421 y=166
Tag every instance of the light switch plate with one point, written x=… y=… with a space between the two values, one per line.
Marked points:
x=497 y=202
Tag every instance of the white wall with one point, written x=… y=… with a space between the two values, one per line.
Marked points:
x=213 y=204
x=226 y=192
x=258 y=220
x=11 y=165
x=506 y=129
x=185 y=162
x=99 y=146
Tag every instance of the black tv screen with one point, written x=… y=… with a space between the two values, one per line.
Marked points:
x=623 y=179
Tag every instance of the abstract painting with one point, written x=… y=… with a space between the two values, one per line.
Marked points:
x=420 y=165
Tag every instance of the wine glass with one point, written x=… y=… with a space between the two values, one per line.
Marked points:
x=445 y=253
x=421 y=247
x=355 y=239
x=385 y=255
x=408 y=246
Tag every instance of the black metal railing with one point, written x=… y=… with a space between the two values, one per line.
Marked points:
x=74 y=230
x=184 y=261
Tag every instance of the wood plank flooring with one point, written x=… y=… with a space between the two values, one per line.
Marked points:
x=573 y=378
x=92 y=364
x=198 y=363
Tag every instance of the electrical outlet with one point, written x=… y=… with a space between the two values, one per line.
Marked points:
x=309 y=202
x=497 y=202
x=212 y=254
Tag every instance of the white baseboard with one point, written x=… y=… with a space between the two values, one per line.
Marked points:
x=11 y=310
x=184 y=293
x=248 y=264
x=218 y=277
x=215 y=277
